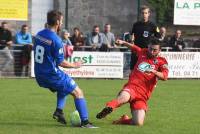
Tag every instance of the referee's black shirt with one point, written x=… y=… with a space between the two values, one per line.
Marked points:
x=143 y=31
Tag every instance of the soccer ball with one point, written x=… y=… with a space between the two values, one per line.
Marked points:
x=75 y=119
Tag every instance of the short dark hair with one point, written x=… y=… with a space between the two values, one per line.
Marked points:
x=155 y=41
x=4 y=22
x=107 y=24
x=76 y=28
x=178 y=30
x=95 y=26
x=24 y=25
x=53 y=16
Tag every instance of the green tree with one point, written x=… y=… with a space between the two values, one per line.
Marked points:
x=164 y=10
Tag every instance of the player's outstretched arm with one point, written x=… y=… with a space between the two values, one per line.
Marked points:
x=160 y=75
x=127 y=44
x=66 y=64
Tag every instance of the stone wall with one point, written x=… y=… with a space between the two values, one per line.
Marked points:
x=87 y=13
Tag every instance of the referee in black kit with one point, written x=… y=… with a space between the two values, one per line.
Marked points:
x=142 y=31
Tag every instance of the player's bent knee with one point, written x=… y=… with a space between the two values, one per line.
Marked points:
x=77 y=93
x=138 y=117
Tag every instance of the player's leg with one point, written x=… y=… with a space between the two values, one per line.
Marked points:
x=69 y=86
x=138 y=110
x=122 y=98
x=124 y=119
x=80 y=103
x=61 y=100
x=58 y=114
x=63 y=88
x=81 y=107
x=138 y=107
x=138 y=117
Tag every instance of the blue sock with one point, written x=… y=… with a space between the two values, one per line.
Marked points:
x=81 y=106
x=61 y=99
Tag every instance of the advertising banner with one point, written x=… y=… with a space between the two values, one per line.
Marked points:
x=14 y=10
x=97 y=65
x=183 y=64
x=187 y=12
x=116 y=64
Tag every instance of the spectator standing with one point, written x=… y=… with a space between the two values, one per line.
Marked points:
x=95 y=39
x=109 y=38
x=24 y=39
x=176 y=42
x=77 y=39
x=142 y=31
x=5 y=44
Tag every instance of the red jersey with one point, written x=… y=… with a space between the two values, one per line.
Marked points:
x=146 y=81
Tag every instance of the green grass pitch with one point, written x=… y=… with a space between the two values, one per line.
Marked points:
x=25 y=108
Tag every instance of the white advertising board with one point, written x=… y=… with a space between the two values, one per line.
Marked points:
x=187 y=12
x=110 y=64
x=97 y=65
x=183 y=64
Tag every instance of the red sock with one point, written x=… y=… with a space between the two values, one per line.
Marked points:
x=126 y=121
x=123 y=120
x=113 y=104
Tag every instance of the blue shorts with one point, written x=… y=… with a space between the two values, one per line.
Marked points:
x=63 y=85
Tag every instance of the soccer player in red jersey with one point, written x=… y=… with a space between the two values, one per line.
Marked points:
x=149 y=68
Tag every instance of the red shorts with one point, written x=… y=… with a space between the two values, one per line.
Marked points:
x=137 y=101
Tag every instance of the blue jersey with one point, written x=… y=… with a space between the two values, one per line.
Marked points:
x=48 y=54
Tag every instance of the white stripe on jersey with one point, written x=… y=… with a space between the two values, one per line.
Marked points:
x=42 y=39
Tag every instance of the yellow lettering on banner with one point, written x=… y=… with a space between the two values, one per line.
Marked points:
x=14 y=9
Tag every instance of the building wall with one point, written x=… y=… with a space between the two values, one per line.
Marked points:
x=83 y=14
x=87 y=13
x=39 y=12
x=61 y=5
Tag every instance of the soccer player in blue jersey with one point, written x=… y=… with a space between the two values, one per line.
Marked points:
x=48 y=56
